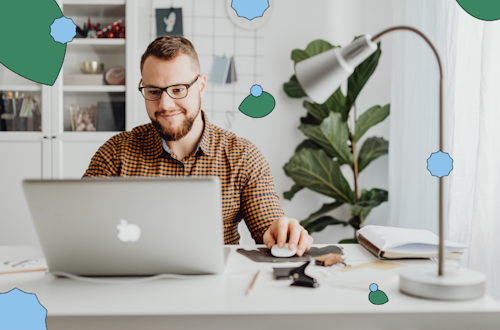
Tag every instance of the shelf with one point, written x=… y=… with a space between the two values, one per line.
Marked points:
x=23 y=88
x=100 y=42
x=97 y=88
x=94 y=2
x=108 y=46
x=94 y=8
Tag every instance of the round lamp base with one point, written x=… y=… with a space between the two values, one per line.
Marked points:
x=456 y=283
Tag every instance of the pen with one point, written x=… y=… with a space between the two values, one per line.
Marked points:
x=253 y=282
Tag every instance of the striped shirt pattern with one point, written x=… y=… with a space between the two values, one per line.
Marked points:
x=247 y=187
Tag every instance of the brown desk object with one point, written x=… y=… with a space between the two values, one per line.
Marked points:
x=329 y=259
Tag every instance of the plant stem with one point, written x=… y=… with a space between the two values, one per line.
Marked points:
x=356 y=188
x=353 y=145
x=355 y=167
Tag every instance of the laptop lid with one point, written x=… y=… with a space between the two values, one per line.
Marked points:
x=115 y=226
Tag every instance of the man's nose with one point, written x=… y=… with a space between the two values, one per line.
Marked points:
x=166 y=102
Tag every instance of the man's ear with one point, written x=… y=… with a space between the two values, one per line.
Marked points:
x=202 y=81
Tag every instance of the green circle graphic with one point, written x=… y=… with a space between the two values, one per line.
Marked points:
x=486 y=10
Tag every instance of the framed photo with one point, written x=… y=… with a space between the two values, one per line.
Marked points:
x=169 y=22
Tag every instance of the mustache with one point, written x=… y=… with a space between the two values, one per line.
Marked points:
x=166 y=113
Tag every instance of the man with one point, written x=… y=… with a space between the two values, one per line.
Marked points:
x=181 y=141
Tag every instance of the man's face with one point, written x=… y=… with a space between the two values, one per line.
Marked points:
x=173 y=118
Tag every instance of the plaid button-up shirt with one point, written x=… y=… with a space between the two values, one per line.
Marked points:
x=247 y=188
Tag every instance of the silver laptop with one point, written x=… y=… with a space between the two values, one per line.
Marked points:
x=129 y=226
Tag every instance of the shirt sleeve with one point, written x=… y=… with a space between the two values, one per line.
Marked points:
x=259 y=200
x=103 y=162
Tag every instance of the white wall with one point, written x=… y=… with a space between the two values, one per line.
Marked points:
x=294 y=24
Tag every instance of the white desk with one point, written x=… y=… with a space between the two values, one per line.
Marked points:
x=220 y=302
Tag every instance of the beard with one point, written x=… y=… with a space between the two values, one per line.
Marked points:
x=173 y=133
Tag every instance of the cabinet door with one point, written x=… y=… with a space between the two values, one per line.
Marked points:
x=20 y=160
x=72 y=153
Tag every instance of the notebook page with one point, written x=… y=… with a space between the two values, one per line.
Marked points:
x=388 y=238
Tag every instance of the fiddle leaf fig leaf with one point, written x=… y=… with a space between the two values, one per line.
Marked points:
x=315 y=170
x=318 y=46
x=324 y=209
x=307 y=144
x=310 y=120
x=336 y=103
x=293 y=88
x=315 y=47
x=373 y=148
x=295 y=188
x=332 y=135
x=367 y=201
x=360 y=76
x=299 y=55
x=316 y=110
x=321 y=223
x=369 y=118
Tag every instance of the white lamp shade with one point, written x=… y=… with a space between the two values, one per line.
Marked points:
x=321 y=75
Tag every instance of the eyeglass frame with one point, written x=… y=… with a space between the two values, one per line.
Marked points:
x=165 y=89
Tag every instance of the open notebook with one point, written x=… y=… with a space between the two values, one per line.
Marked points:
x=396 y=243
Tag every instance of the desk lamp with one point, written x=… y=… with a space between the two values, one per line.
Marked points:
x=320 y=76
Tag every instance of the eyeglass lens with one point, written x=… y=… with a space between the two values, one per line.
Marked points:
x=175 y=92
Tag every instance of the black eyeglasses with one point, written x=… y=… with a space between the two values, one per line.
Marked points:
x=178 y=91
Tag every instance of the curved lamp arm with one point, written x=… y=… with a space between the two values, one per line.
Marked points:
x=441 y=215
x=320 y=75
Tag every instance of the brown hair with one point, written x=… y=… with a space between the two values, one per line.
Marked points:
x=169 y=47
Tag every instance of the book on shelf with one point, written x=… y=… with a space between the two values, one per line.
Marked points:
x=399 y=243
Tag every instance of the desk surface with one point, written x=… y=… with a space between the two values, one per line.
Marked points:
x=221 y=300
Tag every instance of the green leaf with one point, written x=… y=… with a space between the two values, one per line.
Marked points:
x=310 y=120
x=316 y=110
x=313 y=48
x=321 y=224
x=360 y=76
x=349 y=241
x=367 y=201
x=295 y=188
x=299 y=55
x=336 y=103
x=355 y=222
x=315 y=170
x=373 y=148
x=332 y=135
x=318 y=46
x=325 y=208
x=369 y=118
x=293 y=89
x=307 y=144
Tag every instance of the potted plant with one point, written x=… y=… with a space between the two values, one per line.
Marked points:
x=333 y=132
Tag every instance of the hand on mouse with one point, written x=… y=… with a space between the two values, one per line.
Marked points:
x=288 y=229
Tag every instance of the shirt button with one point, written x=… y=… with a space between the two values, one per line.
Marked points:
x=181 y=164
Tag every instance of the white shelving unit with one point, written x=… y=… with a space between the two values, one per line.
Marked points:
x=56 y=152
x=99 y=42
x=23 y=88
x=72 y=151
x=104 y=88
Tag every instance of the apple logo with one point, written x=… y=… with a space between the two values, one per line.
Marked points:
x=128 y=232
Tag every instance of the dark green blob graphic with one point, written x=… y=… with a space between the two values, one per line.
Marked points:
x=486 y=10
x=378 y=297
x=258 y=107
x=28 y=49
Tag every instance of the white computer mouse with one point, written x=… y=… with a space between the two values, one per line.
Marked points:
x=283 y=252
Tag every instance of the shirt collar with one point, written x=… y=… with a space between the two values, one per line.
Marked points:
x=203 y=146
